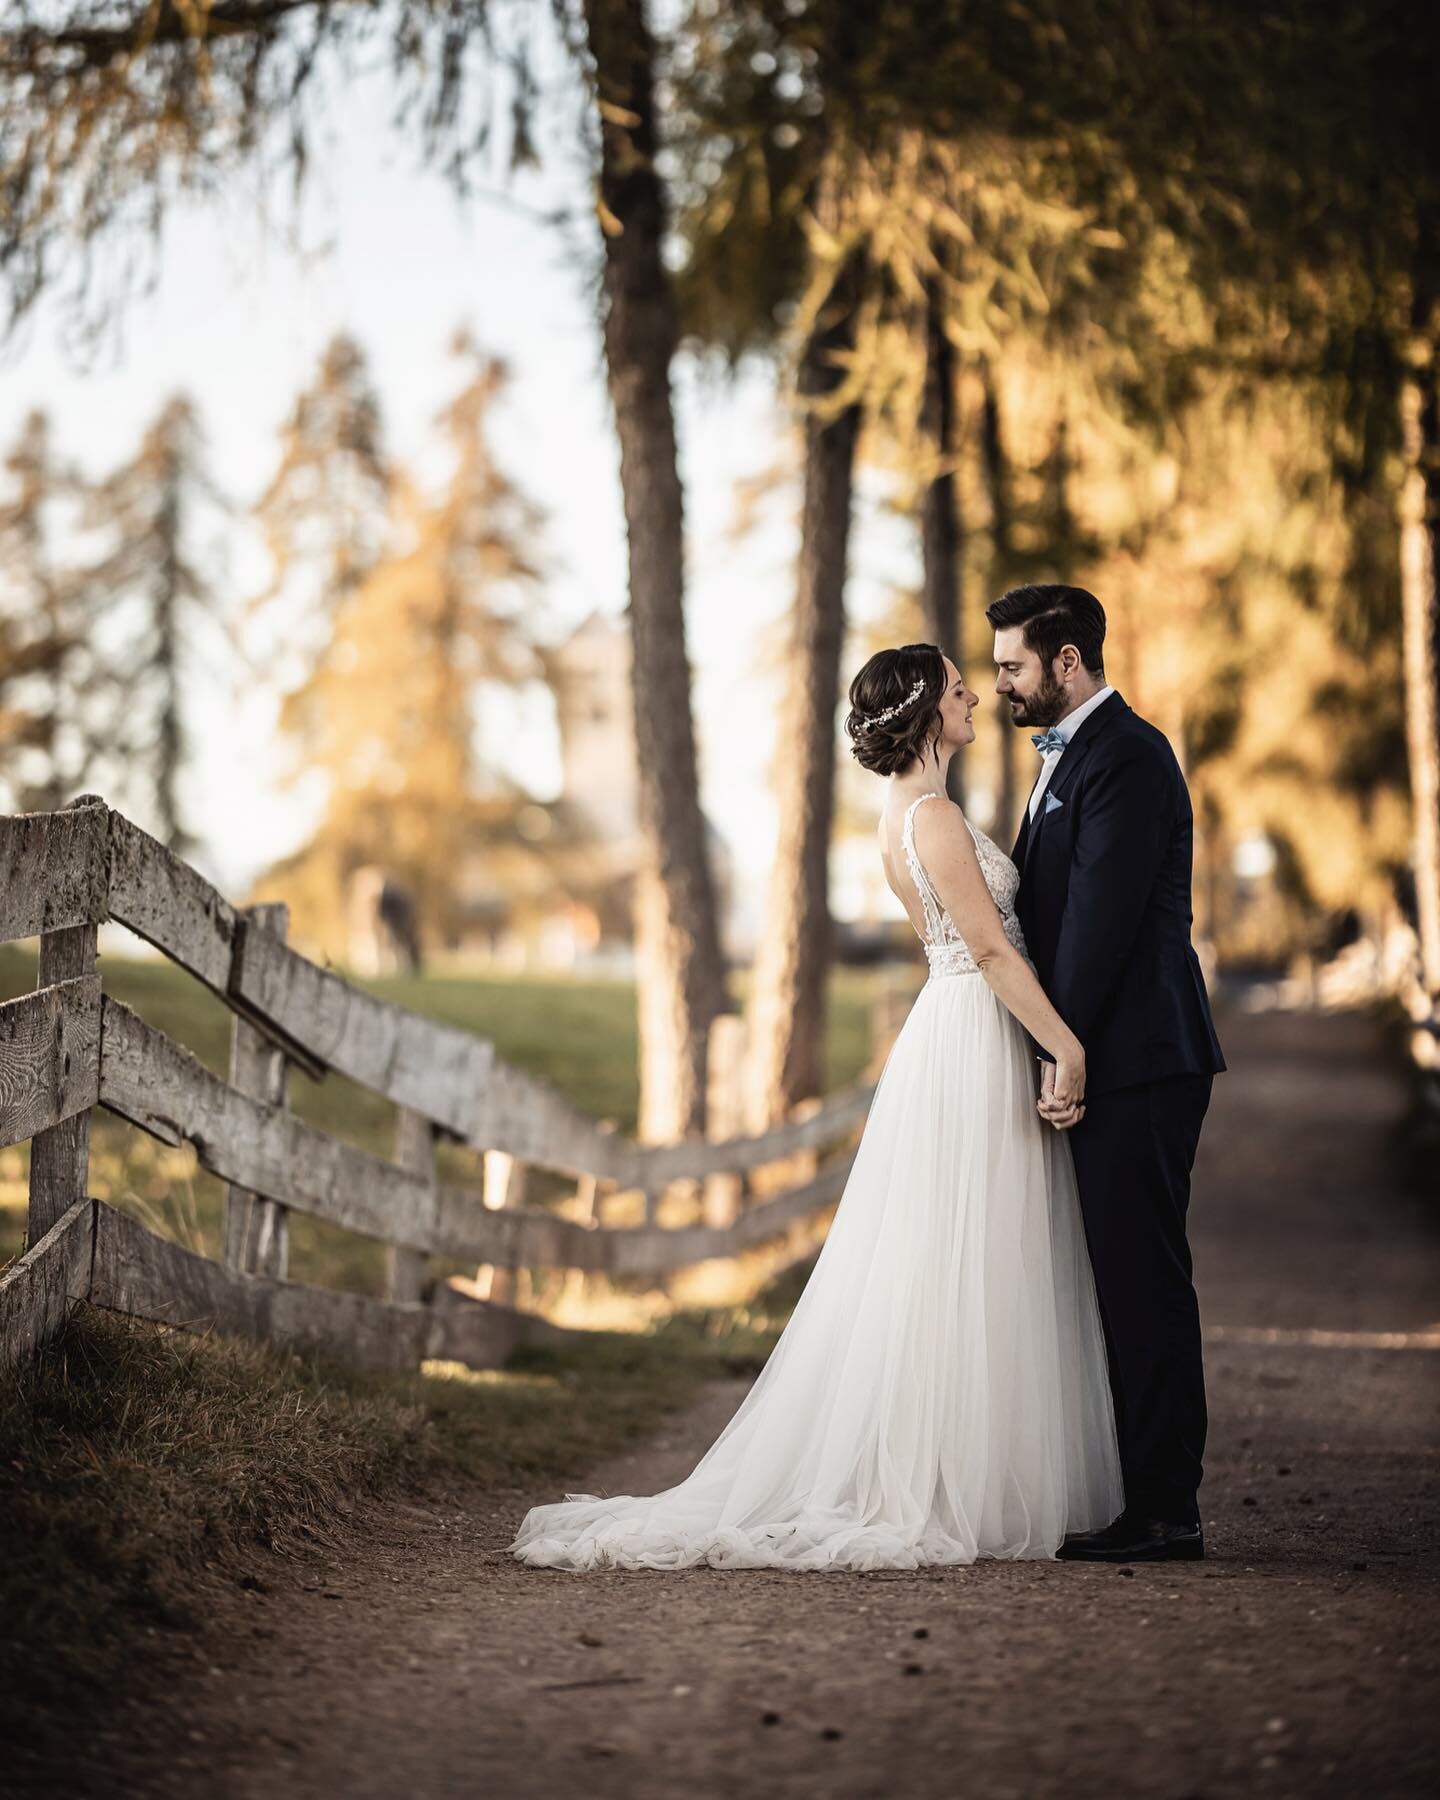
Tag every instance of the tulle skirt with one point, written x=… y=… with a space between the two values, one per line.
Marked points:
x=940 y=1391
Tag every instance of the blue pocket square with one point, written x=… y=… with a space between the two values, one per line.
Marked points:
x=1053 y=805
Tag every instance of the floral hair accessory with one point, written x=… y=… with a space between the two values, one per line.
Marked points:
x=882 y=718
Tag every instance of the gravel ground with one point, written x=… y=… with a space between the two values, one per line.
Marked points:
x=1298 y=1659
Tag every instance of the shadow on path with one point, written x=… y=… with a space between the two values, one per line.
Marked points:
x=1299 y=1659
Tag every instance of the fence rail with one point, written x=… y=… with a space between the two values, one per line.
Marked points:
x=68 y=1046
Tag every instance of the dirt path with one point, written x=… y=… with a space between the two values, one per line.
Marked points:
x=1298 y=1660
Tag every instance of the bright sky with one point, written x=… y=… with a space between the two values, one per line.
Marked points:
x=389 y=254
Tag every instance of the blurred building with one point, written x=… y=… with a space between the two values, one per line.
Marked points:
x=547 y=884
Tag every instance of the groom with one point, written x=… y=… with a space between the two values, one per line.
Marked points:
x=1104 y=854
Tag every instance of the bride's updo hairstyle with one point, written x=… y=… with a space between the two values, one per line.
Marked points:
x=887 y=745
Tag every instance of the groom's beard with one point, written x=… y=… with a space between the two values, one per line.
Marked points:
x=1046 y=706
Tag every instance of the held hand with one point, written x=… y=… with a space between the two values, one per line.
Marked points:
x=1062 y=1087
x=1069 y=1079
x=1063 y=1121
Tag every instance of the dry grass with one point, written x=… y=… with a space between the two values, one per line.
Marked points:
x=131 y=1456
x=137 y=1462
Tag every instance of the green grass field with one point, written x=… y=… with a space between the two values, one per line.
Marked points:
x=577 y=1034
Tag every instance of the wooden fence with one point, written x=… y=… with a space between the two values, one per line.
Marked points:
x=69 y=1046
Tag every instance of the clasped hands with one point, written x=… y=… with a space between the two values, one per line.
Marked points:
x=1061 y=1105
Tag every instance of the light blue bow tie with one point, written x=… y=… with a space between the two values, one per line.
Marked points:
x=1046 y=741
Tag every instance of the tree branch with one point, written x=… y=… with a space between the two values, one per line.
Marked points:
x=165 y=24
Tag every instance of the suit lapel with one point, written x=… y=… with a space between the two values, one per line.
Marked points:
x=1022 y=841
x=1069 y=768
x=1027 y=830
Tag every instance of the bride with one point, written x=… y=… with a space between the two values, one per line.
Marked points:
x=940 y=1391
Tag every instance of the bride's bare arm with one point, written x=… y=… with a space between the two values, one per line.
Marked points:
x=946 y=848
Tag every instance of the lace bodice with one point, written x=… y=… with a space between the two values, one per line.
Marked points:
x=945 y=949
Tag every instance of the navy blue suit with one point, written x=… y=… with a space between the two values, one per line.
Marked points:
x=1104 y=902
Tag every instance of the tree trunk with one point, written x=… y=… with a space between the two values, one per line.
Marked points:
x=787 y=1004
x=681 y=972
x=1062 y=518
x=993 y=448
x=942 y=589
x=169 y=746
x=1419 y=530
x=942 y=592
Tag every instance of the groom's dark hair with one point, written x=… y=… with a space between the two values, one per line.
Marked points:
x=1054 y=615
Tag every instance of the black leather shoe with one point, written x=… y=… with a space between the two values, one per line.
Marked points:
x=1135 y=1539
x=1124 y=1518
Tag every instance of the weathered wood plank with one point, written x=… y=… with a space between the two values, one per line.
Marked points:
x=507 y=1238
x=49 y=1057
x=170 y=905
x=527 y=1119
x=61 y=865
x=504 y=1182
x=99 y=1254
x=532 y=1239
x=36 y=1295
x=60 y=1155
x=166 y=902
x=257 y=1231
x=160 y=1086
x=456 y=1079
x=654 y=1166
x=524 y=1117
x=151 y=1080
x=149 y=1277
x=482 y=1333
x=415 y=1151
x=54 y=869
x=432 y=1068
x=724 y=1115
x=451 y=1076
x=638 y=1252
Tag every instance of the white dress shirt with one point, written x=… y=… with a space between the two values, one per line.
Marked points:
x=1067 y=728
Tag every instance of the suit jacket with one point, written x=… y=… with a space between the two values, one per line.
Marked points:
x=1104 y=903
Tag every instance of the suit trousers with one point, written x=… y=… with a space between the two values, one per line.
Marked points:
x=1134 y=1151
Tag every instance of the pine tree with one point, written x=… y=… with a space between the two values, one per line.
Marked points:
x=448 y=604
x=324 y=517
x=146 y=590
x=42 y=750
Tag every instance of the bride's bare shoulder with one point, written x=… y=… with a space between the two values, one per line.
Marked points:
x=942 y=826
x=939 y=809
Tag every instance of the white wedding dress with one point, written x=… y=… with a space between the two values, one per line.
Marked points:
x=940 y=1391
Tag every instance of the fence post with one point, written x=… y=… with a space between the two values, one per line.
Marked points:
x=890 y=1004
x=60 y=1155
x=257 y=1230
x=415 y=1151
x=724 y=1114
x=587 y=1205
x=503 y=1185
x=587 y=1198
